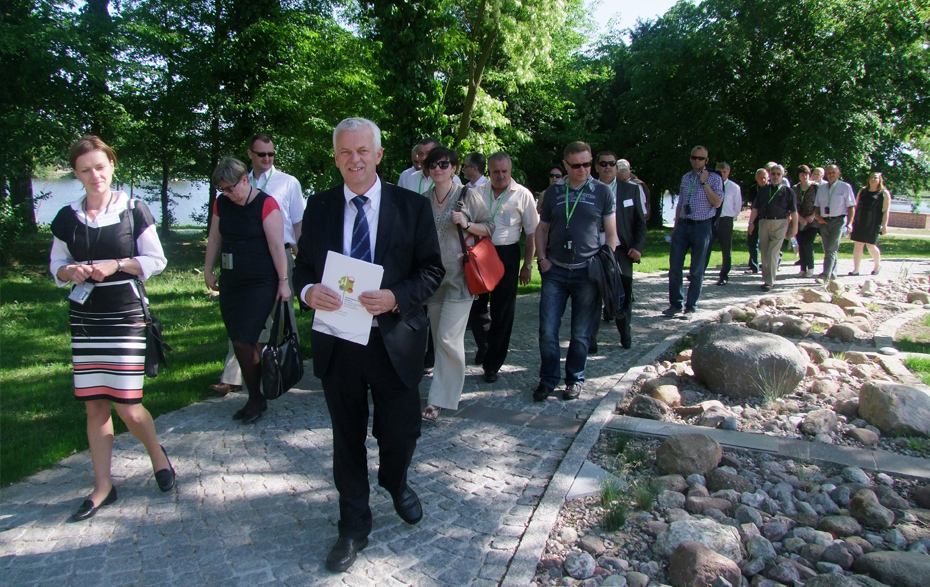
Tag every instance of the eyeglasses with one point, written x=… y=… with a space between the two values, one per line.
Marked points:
x=607 y=163
x=555 y=175
x=469 y=166
x=696 y=158
x=264 y=154
x=226 y=190
x=586 y=165
x=440 y=164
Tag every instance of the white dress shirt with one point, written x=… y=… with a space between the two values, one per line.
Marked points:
x=837 y=197
x=732 y=199
x=285 y=189
x=420 y=183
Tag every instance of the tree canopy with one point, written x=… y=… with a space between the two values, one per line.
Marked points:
x=174 y=86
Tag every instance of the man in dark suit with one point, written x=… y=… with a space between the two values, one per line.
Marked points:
x=631 y=232
x=397 y=233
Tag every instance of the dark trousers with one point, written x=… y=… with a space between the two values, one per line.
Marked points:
x=479 y=321
x=753 y=242
x=806 y=238
x=624 y=324
x=396 y=427
x=724 y=235
x=503 y=304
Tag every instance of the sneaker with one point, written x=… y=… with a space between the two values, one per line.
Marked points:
x=750 y=272
x=572 y=391
x=670 y=311
x=542 y=392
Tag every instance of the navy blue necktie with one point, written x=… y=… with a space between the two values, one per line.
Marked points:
x=361 y=243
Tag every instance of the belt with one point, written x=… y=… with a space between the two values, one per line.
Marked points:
x=840 y=216
x=772 y=217
x=692 y=221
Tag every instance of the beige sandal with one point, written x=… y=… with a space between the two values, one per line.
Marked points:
x=431 y=413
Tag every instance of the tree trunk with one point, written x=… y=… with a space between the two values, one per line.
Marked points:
x=21 y=196
x=478 y=62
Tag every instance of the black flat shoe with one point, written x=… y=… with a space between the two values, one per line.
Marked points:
x=407 y=505
x=252 y=418
x=343 y=553
x=88 y=509
x=165 y=477
x=242 y=412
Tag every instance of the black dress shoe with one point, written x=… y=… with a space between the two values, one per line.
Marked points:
x=165 y=477
x=626 y=340
x=343 y=553
x=247 y=416
x=252 y=418
x=407 y=505
x=88 y=509
x=721 y=281
x=490 y=376
x=541 y=393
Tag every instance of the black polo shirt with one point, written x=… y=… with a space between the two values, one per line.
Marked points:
x=775 y=202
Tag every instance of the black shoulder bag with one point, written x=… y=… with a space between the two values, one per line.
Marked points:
x=282 y=365
x=155 y=345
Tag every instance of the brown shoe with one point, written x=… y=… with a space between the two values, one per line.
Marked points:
x=222 y=389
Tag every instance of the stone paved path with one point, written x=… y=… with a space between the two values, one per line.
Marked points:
x=256 y=505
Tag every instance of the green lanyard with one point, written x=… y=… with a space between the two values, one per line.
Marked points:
x=569 y=214
x=264 y=185
x=420 y=184
x=499 y=203
x=830 y=191
x=775 y=193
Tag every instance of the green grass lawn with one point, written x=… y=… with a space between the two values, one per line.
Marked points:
x=920 y=367
x=40 y=421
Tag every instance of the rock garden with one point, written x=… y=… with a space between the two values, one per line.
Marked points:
x=811 y=364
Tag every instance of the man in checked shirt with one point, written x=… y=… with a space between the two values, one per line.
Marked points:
x=700 y=194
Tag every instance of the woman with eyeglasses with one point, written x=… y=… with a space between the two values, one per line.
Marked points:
x=556 y=173
x=103 y=246
x=248 y=231
x=873 y=205
x=455 y=208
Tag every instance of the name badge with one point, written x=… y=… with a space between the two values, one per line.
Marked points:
x=627 y=203
x=227 y=261
x=107 y=219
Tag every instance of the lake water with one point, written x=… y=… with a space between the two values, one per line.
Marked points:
x=191 y=198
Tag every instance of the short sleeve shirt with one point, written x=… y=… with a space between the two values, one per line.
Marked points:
x=775 y=202
x=574 y=216
x=692 y=200
x=834 y=200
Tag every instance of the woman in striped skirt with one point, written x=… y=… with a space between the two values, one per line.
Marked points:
x=102 y=251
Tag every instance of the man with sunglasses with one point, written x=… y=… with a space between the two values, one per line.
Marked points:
x=573 y=211
x=286 y=191
x=700 y=194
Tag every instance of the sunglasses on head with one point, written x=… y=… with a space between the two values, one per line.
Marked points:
x=607 y=163
x=555 y=175
x=586 y=165
x=440 y=164
x=264 y=153
x=697 y=158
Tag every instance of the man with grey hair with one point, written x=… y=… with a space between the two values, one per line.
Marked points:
x=513 y=210
x=835 y=206
x=379 y=223
x=776 y=208
x=723 y=225
x=414 y=165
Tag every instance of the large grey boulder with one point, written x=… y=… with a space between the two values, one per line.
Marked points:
x=866 y=508
x=901 y=569
x=685 y=454
x=895 y=409
x=720 y=538
x=823 y=310
x=742 y=363
x=694 y=565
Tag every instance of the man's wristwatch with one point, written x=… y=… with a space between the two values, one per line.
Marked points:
x=119 y=264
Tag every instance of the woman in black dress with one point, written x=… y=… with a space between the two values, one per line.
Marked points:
x=873 y=204
x=103 y=245
x=247 y=229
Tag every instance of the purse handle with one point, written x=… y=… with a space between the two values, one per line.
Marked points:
x=461 y=205
x=281 y=325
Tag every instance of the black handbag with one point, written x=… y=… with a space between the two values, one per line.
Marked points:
x=282 y=365
x=155 y=344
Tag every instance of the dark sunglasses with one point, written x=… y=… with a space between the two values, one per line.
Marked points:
x=264 y=154
x=607 y=163
x=586 y=165
x=555 y=175
x=696 y=158
x=440 y=164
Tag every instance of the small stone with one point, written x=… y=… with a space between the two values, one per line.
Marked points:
x=866 y=508
x=793 y=544
x=784 y=572
x=614 y=581
x=885 y=479
x=755 y=499
x=670 y=499
x=837 y=554
x=748 y=515
x=921 y=496
x=580 y=565
x=856 y=475
x=568 y=536
x=824 y=505
x=592 y=545
x=895 y=539
x=753 y=567
x=863 y=435
x=829 y=568
x=840 y=526
x=760 y=547
x=775 y=529
x=635 y=579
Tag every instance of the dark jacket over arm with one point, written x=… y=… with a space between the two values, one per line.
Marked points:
x=631 y=225
x=408 y=250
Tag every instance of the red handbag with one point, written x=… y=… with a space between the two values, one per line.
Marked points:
x=483 y=268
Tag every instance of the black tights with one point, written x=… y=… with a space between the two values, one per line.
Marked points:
x=249 y=356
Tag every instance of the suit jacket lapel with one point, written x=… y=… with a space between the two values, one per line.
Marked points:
x=387 y=222
x=336 y=204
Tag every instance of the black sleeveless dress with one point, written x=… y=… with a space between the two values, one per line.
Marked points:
x=867 y=224
x=248 y=289
x=108 y=330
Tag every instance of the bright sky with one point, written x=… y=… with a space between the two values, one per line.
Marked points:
x=624 y=13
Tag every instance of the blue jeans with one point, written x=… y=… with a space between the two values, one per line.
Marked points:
x=695 y=236
x=558 y=284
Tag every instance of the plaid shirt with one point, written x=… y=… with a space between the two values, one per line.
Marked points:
x=692 y=194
